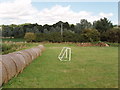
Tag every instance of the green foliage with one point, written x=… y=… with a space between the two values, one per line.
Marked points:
x=6 y=48
x=84 y=24
x=113 y=35
x=14 y=39
x=55 y=37
x=40 y=37
x=113 y=44
x=102 y=25
x=11 y=47
x=29 y=37
x=90 y=35
x=71 y=32
x=103 y=36
x=69 y=36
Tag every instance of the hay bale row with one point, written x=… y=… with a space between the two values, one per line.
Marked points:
x=13 y=63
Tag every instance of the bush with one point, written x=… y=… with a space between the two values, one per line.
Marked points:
x=90 y=35
x=68 y=36
x=29 y=37
x=40 y=37
x=8 y=47
x=113 y=35
x=76 y=37
x=55 y=37
x=104 y=36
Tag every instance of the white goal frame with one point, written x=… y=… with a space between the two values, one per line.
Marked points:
x=65 y=52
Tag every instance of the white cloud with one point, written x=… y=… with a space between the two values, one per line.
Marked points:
x=106 y=15
x=22 y=11
x=16 y=12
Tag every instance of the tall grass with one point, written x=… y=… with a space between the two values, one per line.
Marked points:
x=9 y=46
x=14 y=39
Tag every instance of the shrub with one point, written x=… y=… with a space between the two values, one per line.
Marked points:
x=29 y=37
x=8 y=47
x=40 y=37
x=55 y=37
x=104 y=36
x=68 y=36
x=90 y=35
x=113 y=35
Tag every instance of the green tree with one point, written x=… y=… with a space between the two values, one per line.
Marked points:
x=40 y=37
x=90 y=35
x=55 y=37
x=113 y=35
x=30 y=37
x=68 y=36
x=102 y=25
x=84 y=24
x=35 y=29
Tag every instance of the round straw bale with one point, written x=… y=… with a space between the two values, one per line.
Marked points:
x=18 y=62
x=4 y=73
x=22 y=59
x=39 y=51
x=13 y=63
x=36 y=51
x=41 y=47
x=29 y=56
x=10 y=66
x=1 y=74
x=32 y=53
x=25 y=55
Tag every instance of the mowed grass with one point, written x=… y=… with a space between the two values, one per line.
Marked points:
x=90 y=67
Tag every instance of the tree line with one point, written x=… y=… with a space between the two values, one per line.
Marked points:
x=84 y=31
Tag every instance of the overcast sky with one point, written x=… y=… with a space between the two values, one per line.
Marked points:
x=35 y=11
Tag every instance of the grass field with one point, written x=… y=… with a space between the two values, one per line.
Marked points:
x=90 y=67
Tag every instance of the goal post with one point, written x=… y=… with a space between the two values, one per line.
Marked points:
x=65 y=54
